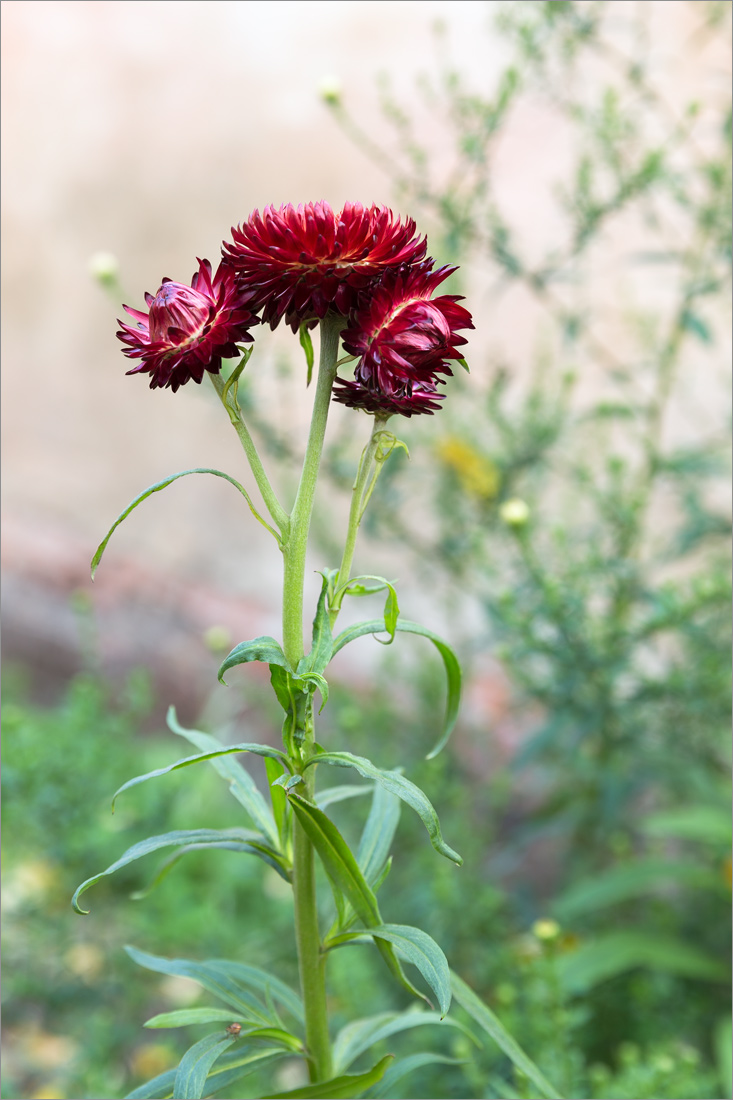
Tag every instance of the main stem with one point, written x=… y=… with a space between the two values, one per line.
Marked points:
x=311 y=961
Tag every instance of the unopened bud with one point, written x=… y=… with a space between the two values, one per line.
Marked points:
x=104 y=266
x=546 y=930
x=514 y=512
x=329 y=89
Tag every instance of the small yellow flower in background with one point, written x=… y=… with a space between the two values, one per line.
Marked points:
x=515 y=512
x=546 y=930
x=477 y=474
x=28 y=884
x=49 y=1091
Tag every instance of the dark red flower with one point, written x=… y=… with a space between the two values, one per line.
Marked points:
x=415 y=398
x=189 y=329
x=404 y=340
x=299 y=263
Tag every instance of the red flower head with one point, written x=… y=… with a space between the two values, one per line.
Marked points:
x=189 y=329
x=403 y=339
x=301 y=263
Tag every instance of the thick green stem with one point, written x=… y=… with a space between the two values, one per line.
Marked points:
x=295 y=547
x=229 y=401
x=311 y=960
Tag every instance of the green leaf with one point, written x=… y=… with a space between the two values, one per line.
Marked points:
x=217 y=976
x=406 y=1067
x=264 y=649
x=337 y=1088
x=195 y=1065
x=163 y=485
x=617 y=952
x=494 y=1028
x=275 y=771
x=200 y=838
x=183 y=1017
x=464 y=364
x=630 y=880
x=345 y=875
x=378 y=834
x=397 y=785
x=245 y=746
x=723 y=1044
x=423 y=952
x=241 y=783
x=339 y=793
x=307 y=345
x=705 y=823
x=450 y=661
x=322 y=645
x=357 y=587
x=360 y=1035
x=232 y=1067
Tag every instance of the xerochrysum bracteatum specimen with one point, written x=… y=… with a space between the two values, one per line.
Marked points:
x=362 y=277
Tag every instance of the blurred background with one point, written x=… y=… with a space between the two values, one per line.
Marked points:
x=564 y=521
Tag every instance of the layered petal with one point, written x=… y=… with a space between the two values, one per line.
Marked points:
x=404 y=340
x=188 y=329
x=300 y=262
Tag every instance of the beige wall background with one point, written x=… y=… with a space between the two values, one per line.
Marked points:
x=147 y=128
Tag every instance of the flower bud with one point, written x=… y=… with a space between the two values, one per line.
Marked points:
x=515 y=512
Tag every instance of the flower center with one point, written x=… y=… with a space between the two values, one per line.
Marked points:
x=179 y=307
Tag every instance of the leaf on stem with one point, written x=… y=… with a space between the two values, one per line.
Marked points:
x=236 y=839
x=337 y=1088
x=347 y=878
x=397 y=785
x=357 y=1037
x=450 y=661
x=307 y=345
x=357 y=587
x=241 y=783
x=195 y=1064
x=163 y=485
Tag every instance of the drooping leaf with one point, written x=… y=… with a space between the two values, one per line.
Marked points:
x=264 y=649
x=361 y=586
x=422 y=951
x=240 y=839
x=157 y=1088
x=163 y=485
x=214 y=976
x=337 y=1088
x=397 y=785
x=405 y=1067
x=345 y=874
x=450 y=661
x=195 y=1064
x=494 y=1028
x=241 y=783
x=245 y=746
x=230 y=1068
x=360 y=1035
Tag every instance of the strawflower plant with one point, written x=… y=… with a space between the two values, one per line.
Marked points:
x=362 y=277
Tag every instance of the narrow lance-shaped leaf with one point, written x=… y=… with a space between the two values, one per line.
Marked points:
x=163 y=485
x=405 y=1068
x=258 y=848
x=356 y=1038
x=264 y=649
x=241 y=783
x=307 y=345
x=360 y=586
x=344 y=873
x=450 y=662
x=493 y=1027
x=203 y=838
x=396 y=784
x=322 y=644
x=337 y=1088
x=245 y=746
x=195 y=1065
